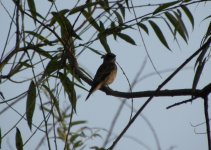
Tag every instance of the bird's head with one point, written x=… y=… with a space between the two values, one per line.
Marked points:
x=109 y=57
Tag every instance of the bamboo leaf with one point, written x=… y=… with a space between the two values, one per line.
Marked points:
x=104 y=43
x=40 y=37
x=143 y=27
x=119 y=17
x=91 y=20
x=198 y=74
x=177 y=25
x=55 y=101
x=188 y=14
x=122 y=9
x=181 y=23
x=126 y=38
x=69 y=89
x=164 y=6
x=18 y=140
x=159 y=34
x=32 y=9
x=30 y=104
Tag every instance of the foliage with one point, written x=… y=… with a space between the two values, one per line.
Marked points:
x=47 y=47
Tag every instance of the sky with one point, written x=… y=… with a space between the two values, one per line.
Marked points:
x=174 y=127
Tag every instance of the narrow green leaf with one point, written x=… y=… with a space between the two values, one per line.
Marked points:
x=52 y=66
x=40 y=37
x=126 y=38
x=159 y=34
x=30 y=104
x=144 y=27
x=43 y=52
x=75 y=123
x=122 y=9
x=181 y=23
x=208 y=33
x=119 y=17
x=104 y=43
x=105 y=5
x=82 y=7
x=32 y=9
x=102 y=28
x=164 y=6
x=55 y=101
x=198 y=74
x=67 y=31
x=177 y=25
x=69 y=89
x=188 y=14
x=18 y=140
x=91 y=20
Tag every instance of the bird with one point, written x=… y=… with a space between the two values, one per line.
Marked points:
x=105 y=74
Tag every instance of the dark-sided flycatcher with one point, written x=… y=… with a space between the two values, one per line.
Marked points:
x=105 y=74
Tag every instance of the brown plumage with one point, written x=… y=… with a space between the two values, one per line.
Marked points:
x=105 y=74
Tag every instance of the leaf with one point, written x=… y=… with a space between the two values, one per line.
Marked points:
x=55 y=101
x=119 y=17
x=40 y=37
x=82 y=7
x=126 y=38
x=181 y=24
x=69 y=89
x=159 y=34
x=188 y=14
x=18 y=140
x=177 y=25
x=67 y=31
x=30 y=104
x=91 y=20
x=43 y=52
x=164 y=6
x=198 y=74
x=208 y=33
x=32 y=9
x=104 y=43
x=122 y=9
x=52 y=66
x=144 y=27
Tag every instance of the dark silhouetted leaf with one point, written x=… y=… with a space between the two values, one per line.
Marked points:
x=159 y=34
x=119 y=17
x=177 y=25
x=40 y=37
x=69 y=89
x=32 y=9
x=18 y=140
x=144 y=27
x=122 y=9
x=55 y=101
x=164 y=6
x=91 y=20
x=43 y=52
x=188 y=14
x=198 y=74
x=30 y=104
x=67 y=31
x=52 y=66
x=181 y=23
x=126 y=38
x=104 y=43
